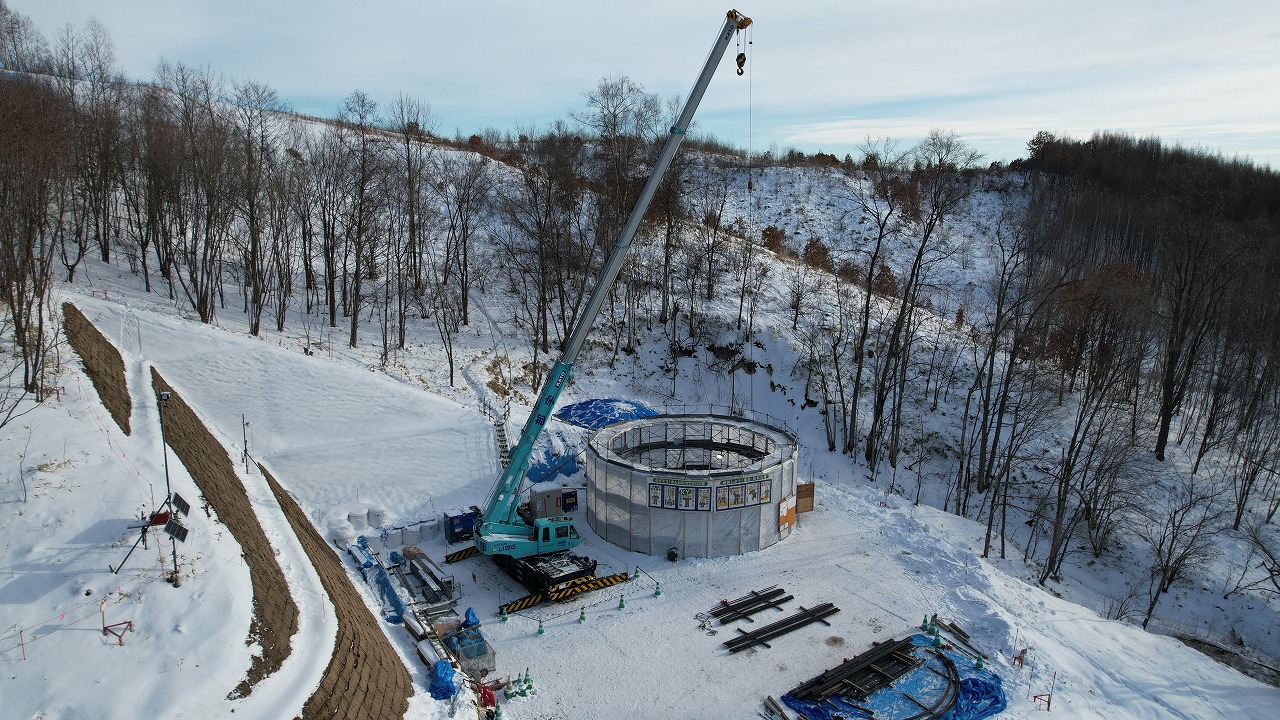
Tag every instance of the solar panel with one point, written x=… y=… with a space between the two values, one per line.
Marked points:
x=182 y=505
x=176 y=529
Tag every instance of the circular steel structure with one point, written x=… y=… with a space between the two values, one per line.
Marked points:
x=707 y=485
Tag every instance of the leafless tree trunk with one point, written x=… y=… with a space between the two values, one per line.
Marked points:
x=1198 y=261
x=884 y=201
x=22 y=48
x=327 y=163
x=205 y=202
x=938 y=175
x=465 y=190
x=548 y=253
x=360 y=226
x=412 y=121
x=711 y=235
x=258 y=127
x=1095 y=453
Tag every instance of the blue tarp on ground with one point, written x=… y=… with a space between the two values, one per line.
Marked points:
x=442 y=685
x=595 y=414
x=981 y=694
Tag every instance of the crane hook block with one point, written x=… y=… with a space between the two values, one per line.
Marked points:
x=742 y=60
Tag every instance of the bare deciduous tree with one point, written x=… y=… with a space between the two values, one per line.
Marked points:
x=360 y=221
x=1260 y=568
x=1179 y=525
x=36 y=146
x=22 y=48
x=465 y=190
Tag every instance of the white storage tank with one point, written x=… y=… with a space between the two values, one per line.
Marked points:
x=705 y=485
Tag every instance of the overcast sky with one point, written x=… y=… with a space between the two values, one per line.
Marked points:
x=822 y=75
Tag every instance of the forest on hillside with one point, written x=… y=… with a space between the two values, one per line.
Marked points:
x=1131 y=283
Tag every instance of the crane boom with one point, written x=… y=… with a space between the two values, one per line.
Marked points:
x=501 y=530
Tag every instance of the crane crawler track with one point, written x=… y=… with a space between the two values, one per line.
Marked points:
x=564 y=592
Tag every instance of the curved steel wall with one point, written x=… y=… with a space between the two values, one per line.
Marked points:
x=707 y=485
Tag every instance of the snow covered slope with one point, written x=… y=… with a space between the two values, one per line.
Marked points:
x=343 y=439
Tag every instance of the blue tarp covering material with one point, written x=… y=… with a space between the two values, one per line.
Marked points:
x=442 y=685
x=595 y=414
x=393 y=608
x=469 y=620
x=360 y=553
x=592 y=415
x=547 y=468
x=373 y=572
x=981 y=694
x=468 y=643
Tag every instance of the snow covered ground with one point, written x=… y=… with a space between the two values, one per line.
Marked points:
x=345 y=439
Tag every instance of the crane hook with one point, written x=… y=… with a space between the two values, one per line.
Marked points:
x=742 y=60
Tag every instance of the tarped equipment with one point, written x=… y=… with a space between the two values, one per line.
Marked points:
x=470 y=620
x=442 y=685
x=393 y=607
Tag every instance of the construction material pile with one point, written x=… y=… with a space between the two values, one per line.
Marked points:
x=921 y=678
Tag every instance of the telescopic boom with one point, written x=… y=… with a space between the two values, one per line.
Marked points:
x=502 y=531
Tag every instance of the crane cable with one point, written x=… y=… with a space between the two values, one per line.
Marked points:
x=742 y=61
x=750 y=184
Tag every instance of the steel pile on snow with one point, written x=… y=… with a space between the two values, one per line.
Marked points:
x=806 y=616
x=750 y=604
x=864 y=674
x=911 y=679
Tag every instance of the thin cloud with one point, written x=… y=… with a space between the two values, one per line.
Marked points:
x=821 y=73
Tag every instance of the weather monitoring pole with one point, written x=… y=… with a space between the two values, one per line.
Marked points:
x=177 y=531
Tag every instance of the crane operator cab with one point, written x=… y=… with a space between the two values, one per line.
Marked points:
x=547 y=535
x=555 y=533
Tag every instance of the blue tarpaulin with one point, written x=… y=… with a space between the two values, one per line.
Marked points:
x=360 y=553
x=595 y=414
x=442 y=685
x=980 y=692
x=548 y=467
x=393 y=609
x=592 y=415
